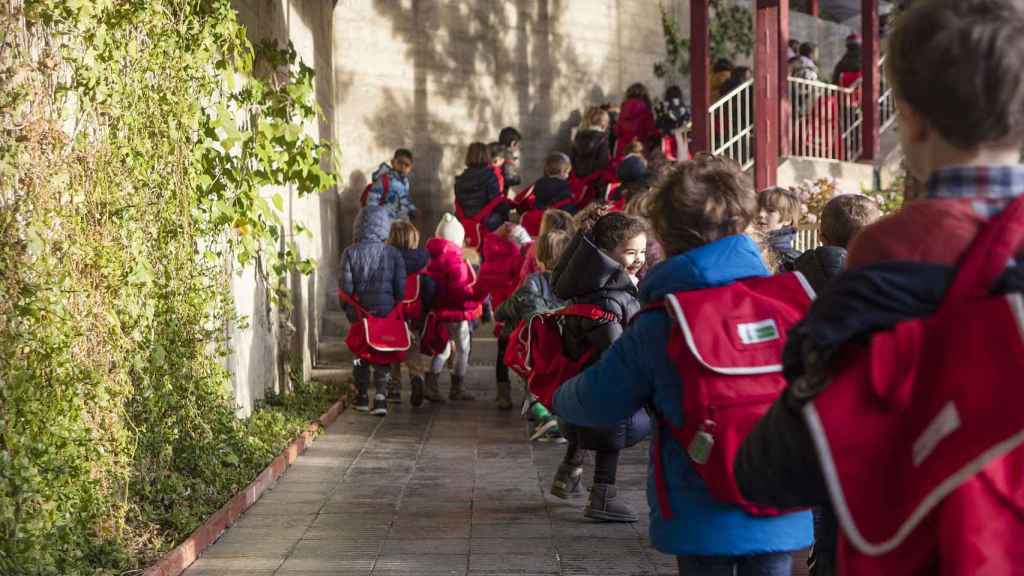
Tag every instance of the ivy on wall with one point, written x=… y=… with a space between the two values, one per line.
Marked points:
x=731 y=33
x=137 y=139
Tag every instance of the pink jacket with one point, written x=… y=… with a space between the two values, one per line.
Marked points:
x=636 y=121
x=458 y=296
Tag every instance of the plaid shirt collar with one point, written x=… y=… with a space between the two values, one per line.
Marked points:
x=990 y=188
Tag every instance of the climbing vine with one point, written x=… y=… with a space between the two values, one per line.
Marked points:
x=138 y=142
x=731 y=33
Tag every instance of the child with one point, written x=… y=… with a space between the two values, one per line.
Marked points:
x=553 y=219
x=511 y=139
x=778 y=215
x=406 y=239
x=841 y=219
x=456 y=303
x=601 y=268
x=637 y=207
x=636 y=120
x=498 y=151
x=962 y=139
x=477 y=187
x=699 y=214
x=590 y=148
x=633 y=179
x=374 y=274
x=534 y=297
x=398 y=199
x=805 y=66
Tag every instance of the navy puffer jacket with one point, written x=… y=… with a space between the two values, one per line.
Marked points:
x=371 y=270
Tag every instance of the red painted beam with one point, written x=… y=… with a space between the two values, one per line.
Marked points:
x=766 y=94
x=871 y=50
x=700 y=75
x=815 y=8
x=784 y=103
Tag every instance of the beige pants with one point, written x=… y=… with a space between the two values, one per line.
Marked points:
x=415 y=362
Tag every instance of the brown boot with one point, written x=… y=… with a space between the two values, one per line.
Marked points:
x=456 y=392
x=504 y=395
x=431 y=391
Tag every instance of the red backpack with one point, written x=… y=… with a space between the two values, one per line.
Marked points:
x=375 y=339
x=919 y=432
x=474 y=225
x=535 y=350
x=726 y=344
x=385 y=182
x=412 y=302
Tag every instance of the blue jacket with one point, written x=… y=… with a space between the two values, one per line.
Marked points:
x=371 y=270
x=636 y=371
x=399 y=201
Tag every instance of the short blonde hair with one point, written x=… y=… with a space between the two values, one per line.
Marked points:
x=781 y=200
x=597 y=117
x=555 y=219
x=699 y=202
x=403 y=235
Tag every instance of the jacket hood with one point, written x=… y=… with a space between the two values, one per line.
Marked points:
x=721 y=262
x=386 y=168
x=821 y=265
x=416 y=260
x=372 y=224
x=585 y=269
x=439 y=248
x=477 y=177
x=549 y=189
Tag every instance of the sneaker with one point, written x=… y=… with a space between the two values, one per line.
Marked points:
x=568 y=481
x=380 y=405
x=542 y=428
x=553 y=436
x=362 y=402
x=395 y=397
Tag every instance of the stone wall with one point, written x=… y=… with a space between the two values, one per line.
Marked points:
x=264 y=349
x=434 y=76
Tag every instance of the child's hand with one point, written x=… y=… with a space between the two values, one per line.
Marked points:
x=516 y=233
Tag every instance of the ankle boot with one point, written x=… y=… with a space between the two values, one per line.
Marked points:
x=568 y=481
x=431 y=391
x=504 y=395
x=417 y=390
x=456 y=392
x=604 y=505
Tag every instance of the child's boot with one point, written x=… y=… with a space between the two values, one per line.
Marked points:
x=395 y=388
x=504 y=395
x=568 y=481
x=416 y=383
x=456 y=392
x=361 y=375
x=605 y=505
x=432 y=391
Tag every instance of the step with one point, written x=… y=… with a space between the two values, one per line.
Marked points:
x=333 y=352
x=334 y=324
x=333 y=375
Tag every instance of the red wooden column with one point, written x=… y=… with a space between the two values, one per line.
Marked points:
x=784 y=104
x=815 y=8
x=872 y=82
x=700 y=75
x=766 y=94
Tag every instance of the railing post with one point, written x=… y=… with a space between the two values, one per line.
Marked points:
x=785 y=126
x=871 y=86
x=766 y=94
x=815 y=8
x=700 y=75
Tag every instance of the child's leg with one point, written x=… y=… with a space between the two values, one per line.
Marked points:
x=431 y=391
x=504 y=397
x=395 y=385
x=569 y=477
x=604 y=503
x=381 y=376
x=361 y=375
x=462 y=342
x=417 y=364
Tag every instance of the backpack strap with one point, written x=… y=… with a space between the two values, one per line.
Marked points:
x=990 y=253
x=587 y=311
x=354 y=302
x=385 y=181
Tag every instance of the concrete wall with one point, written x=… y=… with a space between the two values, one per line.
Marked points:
x=436 y=75
x=263 y=351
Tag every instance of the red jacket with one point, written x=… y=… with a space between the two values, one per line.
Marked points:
x=636 y=121
x=458 y=297
x=499 y=273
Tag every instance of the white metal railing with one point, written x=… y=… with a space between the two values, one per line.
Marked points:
x=731 y=125
x=806 y=238
x=886 y=100
x=825 y=120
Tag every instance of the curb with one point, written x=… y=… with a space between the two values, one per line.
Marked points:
x=181 y=557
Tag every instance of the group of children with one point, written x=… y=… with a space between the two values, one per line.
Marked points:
x=631 y=246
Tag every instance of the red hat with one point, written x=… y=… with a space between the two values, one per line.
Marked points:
x=853 y=40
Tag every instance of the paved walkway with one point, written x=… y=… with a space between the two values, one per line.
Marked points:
x=455 y=490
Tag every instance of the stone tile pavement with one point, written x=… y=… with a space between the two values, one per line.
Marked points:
x=454 y=490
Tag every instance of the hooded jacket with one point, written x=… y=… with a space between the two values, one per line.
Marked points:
x=637 y=371
x=636 y=122
x=475 y=188
x=821 y=265
x=590 y=152
x=416 y=261
x=533 y=297
x=586 y=275
x=399 y=201
x=371 y=270
x=549 y=191
x=457 y=297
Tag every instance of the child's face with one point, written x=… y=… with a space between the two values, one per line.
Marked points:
x=402 y=165
x=770 y=220
x=632 y=254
